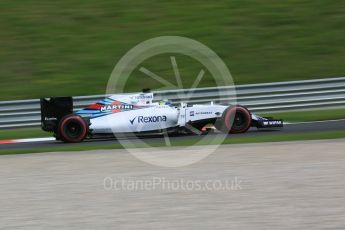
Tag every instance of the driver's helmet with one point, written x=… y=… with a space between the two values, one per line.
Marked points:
x=165 y=102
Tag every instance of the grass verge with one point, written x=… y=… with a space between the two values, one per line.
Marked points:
x=312 y=115
x=188 y=142
x=67 y=47
x=22 y=133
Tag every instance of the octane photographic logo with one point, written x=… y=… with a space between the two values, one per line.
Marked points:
x=168 y=156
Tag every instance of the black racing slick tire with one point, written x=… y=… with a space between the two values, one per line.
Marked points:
x=235 y=119
x=72 y=129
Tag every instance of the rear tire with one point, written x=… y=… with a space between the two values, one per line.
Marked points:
x=72 y=129
x=235 y=119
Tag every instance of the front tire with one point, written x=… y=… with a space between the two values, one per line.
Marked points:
x=235 y=119
x=72 y=129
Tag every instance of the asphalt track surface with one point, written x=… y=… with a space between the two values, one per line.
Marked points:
x=288 y=129
x=287 y=185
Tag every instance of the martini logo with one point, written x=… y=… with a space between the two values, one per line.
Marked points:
x=115 y=107
x=151 y=119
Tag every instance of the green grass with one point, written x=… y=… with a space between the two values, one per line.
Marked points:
x=51 y=48
x=22 y=133
x=312 y=115
x=189 y=142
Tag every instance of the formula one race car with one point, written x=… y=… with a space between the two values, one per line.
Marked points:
x=138 y=114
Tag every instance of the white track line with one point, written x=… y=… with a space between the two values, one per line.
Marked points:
x=35 y=139
x=27 y=140
x=309 y=122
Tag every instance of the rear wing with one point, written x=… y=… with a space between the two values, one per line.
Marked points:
x=53 y=109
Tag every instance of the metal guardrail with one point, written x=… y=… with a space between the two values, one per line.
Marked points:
x=266 y=97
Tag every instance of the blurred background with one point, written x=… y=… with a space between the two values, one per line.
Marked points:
x=60 y=48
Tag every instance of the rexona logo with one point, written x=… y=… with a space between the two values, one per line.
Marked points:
x=114 y=107
x=152 y=119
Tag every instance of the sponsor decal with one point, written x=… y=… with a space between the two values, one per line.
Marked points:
x=203 y=113
x=142 y=96
x=50 y=118
x=268 y=123
x=132 y=120
x=150 y=119
x=192 y=113
x=115 y=107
